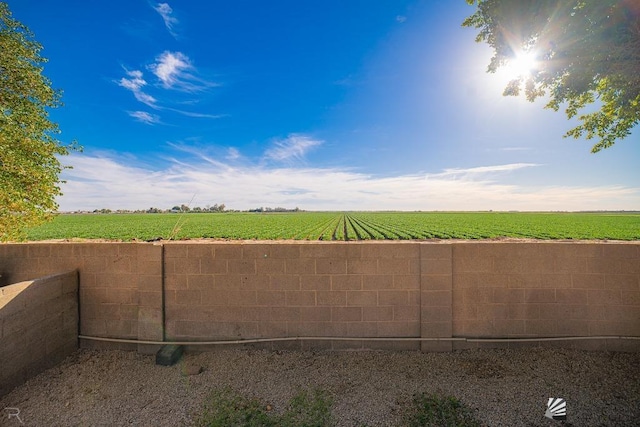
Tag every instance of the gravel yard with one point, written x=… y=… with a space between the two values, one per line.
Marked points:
x=504 y=387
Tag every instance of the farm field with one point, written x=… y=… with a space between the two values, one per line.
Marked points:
x=338 y=226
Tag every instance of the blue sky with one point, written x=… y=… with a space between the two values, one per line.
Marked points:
x=321 y=105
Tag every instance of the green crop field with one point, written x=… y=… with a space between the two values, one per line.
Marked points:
x=342 y=226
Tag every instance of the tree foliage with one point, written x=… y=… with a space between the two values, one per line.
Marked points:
x=587 y=52
x=29 y=166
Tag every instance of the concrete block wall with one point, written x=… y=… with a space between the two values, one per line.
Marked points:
x=437 y=291
x=38 y=326
x=264 y=290
x=524 y=290
x=120 y=283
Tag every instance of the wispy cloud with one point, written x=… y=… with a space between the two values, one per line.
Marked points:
x=170 y=68
x=233 y=154
x=293 y=148
x=144 y=117
x=482 y=170
x=102 y=181
x=199 y=154
x=166 y=13
x=135 y=82
x=176 y=71
x=197 y=115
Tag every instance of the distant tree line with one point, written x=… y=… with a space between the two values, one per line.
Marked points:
x=185 y=208
x=278 y=209
x=217 y=208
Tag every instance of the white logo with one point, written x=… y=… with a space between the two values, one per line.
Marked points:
x=556 y=409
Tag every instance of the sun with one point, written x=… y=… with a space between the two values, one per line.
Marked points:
x=522 y=65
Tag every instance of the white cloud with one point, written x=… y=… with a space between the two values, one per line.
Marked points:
x=170 y=68
x=176 y=71
x=103 y=181
x=233 y=154
x=199 y=154
x=144 y=117
x=292 y=148
x=482 y=170
x=135 y=82
x=401 y=19
x=146 y=99
x=197 y=115
x=166 y=12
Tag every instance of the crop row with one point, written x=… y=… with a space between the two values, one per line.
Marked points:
x=488 y=225
x=335 y=226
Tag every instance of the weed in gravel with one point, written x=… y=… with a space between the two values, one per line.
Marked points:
x=436 y=411
x=228 y=408
x=308 y=409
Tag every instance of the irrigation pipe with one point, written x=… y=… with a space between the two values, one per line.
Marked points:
x=390 y=339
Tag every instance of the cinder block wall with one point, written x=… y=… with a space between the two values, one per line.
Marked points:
x=120 y=283
x=431 y=290
x=38 y=326
x=263 y=290
x=546 y=289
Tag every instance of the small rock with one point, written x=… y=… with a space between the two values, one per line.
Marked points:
x=191 y=370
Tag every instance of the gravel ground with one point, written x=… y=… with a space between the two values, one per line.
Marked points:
x=504 y=387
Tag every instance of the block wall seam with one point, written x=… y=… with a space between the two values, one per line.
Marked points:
x=163 y=307
x=420 y=281
x=436 y=320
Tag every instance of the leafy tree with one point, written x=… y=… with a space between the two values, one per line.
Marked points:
x=29 y=166
x=586 y=52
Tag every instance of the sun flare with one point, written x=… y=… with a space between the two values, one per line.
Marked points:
x=523 y=64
